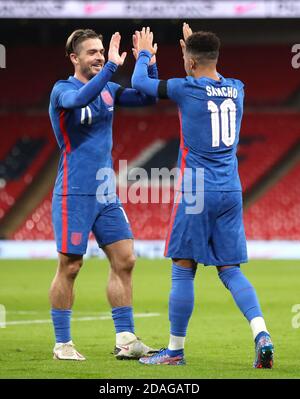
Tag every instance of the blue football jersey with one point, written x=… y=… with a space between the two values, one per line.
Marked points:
x=85 y=137
x=210 y=115
x=81 y=115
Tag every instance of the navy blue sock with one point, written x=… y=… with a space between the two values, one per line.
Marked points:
x=181 y=301
x=61 y=319
x=242 y=291
x=123 y=319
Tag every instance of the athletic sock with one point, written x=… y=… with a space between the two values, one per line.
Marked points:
x=258 y=326
x=176 y=343
x=181 y=304
x=242 y=291
x=61 y=319
x=123 y=319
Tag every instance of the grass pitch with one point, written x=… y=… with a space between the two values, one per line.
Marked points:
x=219 y=342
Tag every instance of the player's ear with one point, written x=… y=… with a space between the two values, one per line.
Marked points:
x=74 y=58
x=192 y=63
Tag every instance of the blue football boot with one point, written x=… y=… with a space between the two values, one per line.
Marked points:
x=264 y=351
x=162 y=357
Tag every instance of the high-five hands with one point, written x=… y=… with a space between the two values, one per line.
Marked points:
x=143 y=40
x=113 y=52
x=187 y=31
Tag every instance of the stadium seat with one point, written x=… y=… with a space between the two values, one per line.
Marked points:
x=259 y=90
x=262 y=146
x=28 y=147
x=276 y=215
x=38 y=225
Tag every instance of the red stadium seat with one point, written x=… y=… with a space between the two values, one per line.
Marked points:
x=38 y=225
x=276 y=215
x=18 y=126
x=251 y=68
x=262 y=146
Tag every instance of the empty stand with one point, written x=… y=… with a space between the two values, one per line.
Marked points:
x=28 y=146
x=30 y=75
x=265 y=69
x=148 y=221
x=276 y=215
x=265 y=139
x=38 y=225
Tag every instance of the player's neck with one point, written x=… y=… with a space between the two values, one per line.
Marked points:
x=210 y=73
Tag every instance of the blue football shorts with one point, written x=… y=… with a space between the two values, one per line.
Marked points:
x=215 y=236
x=75 y=216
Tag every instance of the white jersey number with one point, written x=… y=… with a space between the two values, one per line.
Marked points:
x=228 y=122
x=84 y=111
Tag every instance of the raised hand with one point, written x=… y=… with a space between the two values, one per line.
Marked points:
x=187 y=31
x=113 y=52
x=135 y=51
x=144 y=41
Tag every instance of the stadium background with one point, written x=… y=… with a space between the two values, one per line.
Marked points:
x=257 y=51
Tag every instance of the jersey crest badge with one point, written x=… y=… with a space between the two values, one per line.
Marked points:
x=107 y=98
x=76 y=238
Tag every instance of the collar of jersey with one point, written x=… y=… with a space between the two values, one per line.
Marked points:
x=213 y=80
x=77 y=82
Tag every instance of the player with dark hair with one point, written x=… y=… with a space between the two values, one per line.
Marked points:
x=210 y=109
x=81 y=113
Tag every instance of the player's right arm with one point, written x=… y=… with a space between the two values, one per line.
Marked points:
x=80 y=98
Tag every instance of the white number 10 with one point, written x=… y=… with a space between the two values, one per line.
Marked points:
x=228 y=127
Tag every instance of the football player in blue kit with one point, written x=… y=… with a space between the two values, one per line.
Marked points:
x=210 y=111
x=81 y=112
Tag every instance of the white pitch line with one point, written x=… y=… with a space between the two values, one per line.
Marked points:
x=47 y=321
x=21 y=312
x=43 y=311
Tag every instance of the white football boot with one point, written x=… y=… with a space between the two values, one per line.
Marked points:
x=132 y=349
x=66 y=351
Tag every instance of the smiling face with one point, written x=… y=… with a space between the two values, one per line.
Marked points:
x=89 y=58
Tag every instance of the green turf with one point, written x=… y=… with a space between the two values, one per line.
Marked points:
x=219 y=343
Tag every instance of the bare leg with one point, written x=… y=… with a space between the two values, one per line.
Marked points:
x=61 y=297
x=119 y=295
x=122 y=259
x=61 y=293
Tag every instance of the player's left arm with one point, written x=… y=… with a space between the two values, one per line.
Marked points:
x=141 y=80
